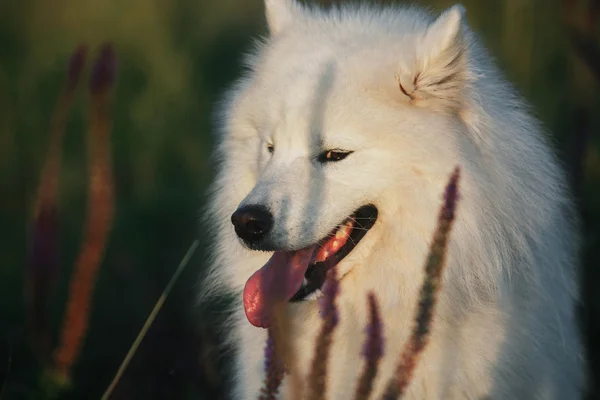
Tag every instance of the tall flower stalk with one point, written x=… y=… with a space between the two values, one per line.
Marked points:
x=434 y=267
x=43 y=255
x=372 y=350
x=317 y=378
x=99 y=218
x=274 y=369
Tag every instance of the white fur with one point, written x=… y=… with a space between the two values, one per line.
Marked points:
x=412 y=97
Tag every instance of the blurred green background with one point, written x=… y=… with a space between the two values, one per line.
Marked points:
x=174 y=59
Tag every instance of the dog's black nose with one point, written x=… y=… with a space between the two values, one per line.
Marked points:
x=252 y=223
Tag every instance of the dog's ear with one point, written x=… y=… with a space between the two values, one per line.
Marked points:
x=281 y=13
x=438 y=73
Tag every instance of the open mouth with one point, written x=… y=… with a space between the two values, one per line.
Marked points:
x=293 y=276
x=332 y=249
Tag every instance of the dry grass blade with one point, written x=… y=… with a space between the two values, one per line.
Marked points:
x=433 y=278
x=150 y=319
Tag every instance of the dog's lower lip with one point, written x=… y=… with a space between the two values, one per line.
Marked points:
x=363 y=218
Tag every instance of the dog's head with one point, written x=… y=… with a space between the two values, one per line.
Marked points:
x=346 y=121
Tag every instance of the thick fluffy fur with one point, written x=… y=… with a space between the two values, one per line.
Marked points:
x=413 y=96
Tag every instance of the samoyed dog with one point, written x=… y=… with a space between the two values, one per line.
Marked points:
x=335 y=149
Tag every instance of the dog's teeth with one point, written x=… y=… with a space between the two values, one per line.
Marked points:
x=343 y=231
x=335 y=245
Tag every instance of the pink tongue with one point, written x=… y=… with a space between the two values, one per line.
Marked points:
x=279 y=279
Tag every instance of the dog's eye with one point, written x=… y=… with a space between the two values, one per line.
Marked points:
x=270 y=148
x=333 y=155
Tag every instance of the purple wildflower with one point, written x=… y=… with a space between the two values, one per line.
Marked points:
x=43 y=258
x=328 y=309
x=372 y=350
x=329 y=314
x=98 y=220
x=104 y=70
x=43 y=266
x=76 y=64
x=273 y=369
x=433 y=276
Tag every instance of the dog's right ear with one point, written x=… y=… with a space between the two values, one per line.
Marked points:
x=281 y=13
x=439 y=73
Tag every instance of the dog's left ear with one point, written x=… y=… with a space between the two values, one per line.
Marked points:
x=438 y=73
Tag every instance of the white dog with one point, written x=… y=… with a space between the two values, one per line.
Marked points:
x=336 y=146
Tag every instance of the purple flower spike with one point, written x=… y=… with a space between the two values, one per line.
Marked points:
x=329 y=313
x=43 y=267
x=75 y=67
x=43 y=252
x=451 y=196
x=434 y=267
x=372 y=350
x=273 y=370
x=104 y=70
x=98 y=222
x=331 y=289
